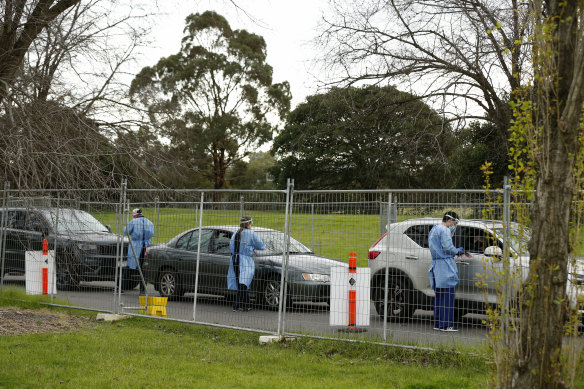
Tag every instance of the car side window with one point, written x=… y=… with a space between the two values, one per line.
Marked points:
x=206 y=236
x=221 y=243
x=419 y=234
x=17 y=220
x=35 y=223
x=471 y=238
x=183 y=241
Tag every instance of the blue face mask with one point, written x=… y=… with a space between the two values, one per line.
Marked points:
x=452 y=228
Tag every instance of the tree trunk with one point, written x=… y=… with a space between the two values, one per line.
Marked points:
x=558 y=96
x=538 y=364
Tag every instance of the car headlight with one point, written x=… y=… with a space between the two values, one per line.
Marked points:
x=86 y=246
x=316 y=277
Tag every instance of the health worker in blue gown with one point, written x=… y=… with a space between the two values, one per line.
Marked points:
x=242 y=267
x=443 y=271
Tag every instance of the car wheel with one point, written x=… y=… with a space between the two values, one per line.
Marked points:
x=399 y=302
x=68 y=271
x=168 y=285
x=270 y=294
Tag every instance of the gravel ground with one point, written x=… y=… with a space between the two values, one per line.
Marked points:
x=14 y=321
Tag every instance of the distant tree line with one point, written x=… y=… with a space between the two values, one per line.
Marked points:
x=204 y=117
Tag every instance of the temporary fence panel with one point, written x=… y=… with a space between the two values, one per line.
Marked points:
x=306 y=233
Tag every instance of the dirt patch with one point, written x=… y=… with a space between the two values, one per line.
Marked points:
x=15 y=321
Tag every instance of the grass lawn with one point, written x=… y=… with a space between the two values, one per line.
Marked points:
x=141 y=352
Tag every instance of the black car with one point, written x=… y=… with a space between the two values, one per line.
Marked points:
x=171 y=267
x=86 y=249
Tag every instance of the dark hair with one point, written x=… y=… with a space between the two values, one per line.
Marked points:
x=449 y=215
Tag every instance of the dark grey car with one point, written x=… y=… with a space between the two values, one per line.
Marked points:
x=86 y=249
x=171 y=267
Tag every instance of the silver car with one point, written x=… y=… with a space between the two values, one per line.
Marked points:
x=408 y=258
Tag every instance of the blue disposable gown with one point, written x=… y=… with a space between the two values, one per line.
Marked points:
x=141 y=230
x=249 y=242
x=443 y=271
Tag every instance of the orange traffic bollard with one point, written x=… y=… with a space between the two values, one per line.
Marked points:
x=352 y=294
x=45 y=247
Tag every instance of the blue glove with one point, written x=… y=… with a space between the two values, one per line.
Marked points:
x=460 y=251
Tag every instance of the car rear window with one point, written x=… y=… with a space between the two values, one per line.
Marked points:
x=419 y=234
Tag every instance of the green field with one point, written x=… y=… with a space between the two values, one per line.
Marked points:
x=333 y=235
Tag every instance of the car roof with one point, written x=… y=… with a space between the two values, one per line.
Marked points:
x=38 y=208
x=234 y=228
x=480 y=223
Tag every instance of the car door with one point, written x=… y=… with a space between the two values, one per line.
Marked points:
x=187 y=248
x=37 y=228
x=417 y=259
x=17 y=240
x=475 y=271
x=220 y=257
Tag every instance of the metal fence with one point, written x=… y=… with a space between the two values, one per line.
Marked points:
x=309 y=235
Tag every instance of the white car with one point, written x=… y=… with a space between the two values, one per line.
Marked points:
x=408 y=259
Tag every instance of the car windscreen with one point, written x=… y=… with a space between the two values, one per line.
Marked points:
x=73 y=221
x=275 y=241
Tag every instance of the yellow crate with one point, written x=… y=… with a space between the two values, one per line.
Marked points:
x=156 y=306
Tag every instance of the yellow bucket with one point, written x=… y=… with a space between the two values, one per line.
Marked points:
x=156 y=306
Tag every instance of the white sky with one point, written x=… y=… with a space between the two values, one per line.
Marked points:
x=287 y=26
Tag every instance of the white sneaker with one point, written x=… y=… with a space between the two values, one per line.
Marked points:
x=449 y=329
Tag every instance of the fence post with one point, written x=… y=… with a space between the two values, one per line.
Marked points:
x=241 y=207
x=198 y=256
x=156 y=216
x=312 y=237
x=506 y=256
x=386 y=286
x=120 y=247
x=287 y=217
x=54 y=281
x=3 y=223
x=380 y=217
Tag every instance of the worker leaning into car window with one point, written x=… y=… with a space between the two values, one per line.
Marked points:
x=443 y=271
x=141 y=230
x=242 y=266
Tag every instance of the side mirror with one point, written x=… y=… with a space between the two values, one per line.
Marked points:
x=108 y=228
x=493 y=251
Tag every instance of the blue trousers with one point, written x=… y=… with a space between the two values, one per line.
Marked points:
x=444 y=307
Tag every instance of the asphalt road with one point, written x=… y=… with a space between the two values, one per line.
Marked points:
x=308 y=319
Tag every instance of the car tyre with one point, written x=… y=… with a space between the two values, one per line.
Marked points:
x=270 y=294
x=168 y=285
x=400 y=306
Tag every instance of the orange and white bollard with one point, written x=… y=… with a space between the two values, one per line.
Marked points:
x=45 y=270
x=352 y=293
x=350 y=296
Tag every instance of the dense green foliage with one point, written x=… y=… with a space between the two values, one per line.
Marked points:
x=214 y=99
x=476 y=144
x=368 y=137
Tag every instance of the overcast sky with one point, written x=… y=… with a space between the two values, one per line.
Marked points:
x=287 y=26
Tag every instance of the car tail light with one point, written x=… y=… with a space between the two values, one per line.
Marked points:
x=146 y=252
x=374 y=254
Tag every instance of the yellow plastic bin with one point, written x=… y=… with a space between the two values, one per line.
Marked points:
x=156 y=306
